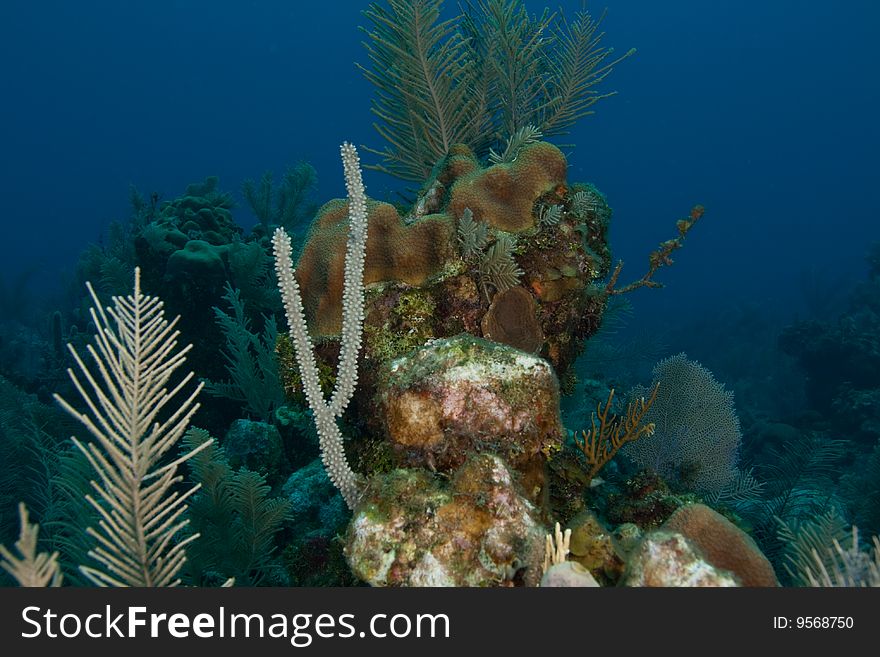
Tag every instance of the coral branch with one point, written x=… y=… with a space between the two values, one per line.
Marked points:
x=610 y=432
x=326 y=412
x=661 y=257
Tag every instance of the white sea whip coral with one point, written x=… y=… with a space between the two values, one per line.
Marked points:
x=325 y=413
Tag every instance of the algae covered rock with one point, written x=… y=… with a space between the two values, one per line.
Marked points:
x=627 y=537
x=592 y=546
x=668 y=559
x=644 y=500
x=317 y=508
x=461 y=395
x=318 y=514
x=255 y=446
x=413 y=528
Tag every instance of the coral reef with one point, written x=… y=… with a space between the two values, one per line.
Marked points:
x=421 y=373
x=841 y=359
x=839 y=356
x=413 y=529
x=437 y=281
x=530 y=285
x=191 y=249
x=668 y=559
x=462 y=395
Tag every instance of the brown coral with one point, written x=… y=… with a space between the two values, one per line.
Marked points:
x=609 y=433
x=504 y=195
x=421 y=252
x=395 y=252
x=512 y=320
x=723 y=544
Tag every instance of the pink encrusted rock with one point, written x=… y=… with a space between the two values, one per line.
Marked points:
x=462 y=395
x=668 y=559
x=413 y=528
x=568 y=574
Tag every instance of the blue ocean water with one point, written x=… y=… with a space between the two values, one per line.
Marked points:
x=765 y=113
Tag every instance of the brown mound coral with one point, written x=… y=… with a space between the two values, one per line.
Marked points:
x=395 y=252
x=416 y=257
x=504 y=195
x=723 y=544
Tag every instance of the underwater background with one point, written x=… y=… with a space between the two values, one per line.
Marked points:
x=119 y=117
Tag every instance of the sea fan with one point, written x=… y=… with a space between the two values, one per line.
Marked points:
x=698 y=437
